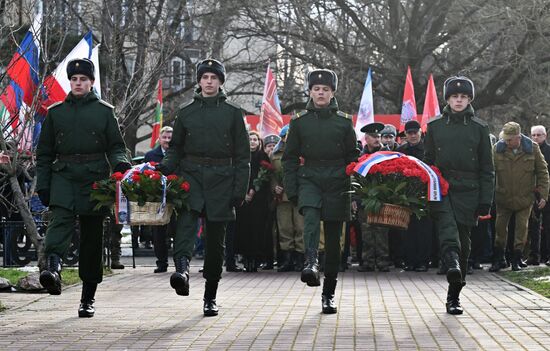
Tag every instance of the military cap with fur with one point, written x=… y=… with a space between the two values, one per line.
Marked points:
x=373 y=128
x=81 y=66
x=323 y=77
x=212 y=66
x=458 y=84
x=271 y=139
x=389 y=129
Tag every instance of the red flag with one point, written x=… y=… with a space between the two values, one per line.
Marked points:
x=408 y=109
x=431 y=105
x=158 y=117
x=271 y=120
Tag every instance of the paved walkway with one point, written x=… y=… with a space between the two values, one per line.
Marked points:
x=137 y=310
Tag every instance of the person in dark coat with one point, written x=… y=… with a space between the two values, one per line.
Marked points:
x=321 y=141
x=79 y=144
x=252 y=215
x=210 y=149
x=159 y=232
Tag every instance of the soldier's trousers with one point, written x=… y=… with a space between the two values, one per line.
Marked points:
x=59 y=235
x=333 y=234
x=214 y=233
x=291 y=227
x=520 y=230
x=376 y=251
x=115 y=238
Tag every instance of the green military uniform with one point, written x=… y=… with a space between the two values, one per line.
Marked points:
x=210 y=150
x=459 y=145
x=325 y=139
x=80 y=138
x=290 y=223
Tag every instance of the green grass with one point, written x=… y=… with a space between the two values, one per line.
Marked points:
x=69 y=276
x=526 y=278
x=12 y=274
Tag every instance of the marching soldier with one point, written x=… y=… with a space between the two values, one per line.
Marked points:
x=217 y=168
x=324 y=138
x=458 y=143
x=80 y=139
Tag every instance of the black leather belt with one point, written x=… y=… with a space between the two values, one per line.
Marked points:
x=460 y=174
x=324 y=163
x=80 y=158
x=209 y=161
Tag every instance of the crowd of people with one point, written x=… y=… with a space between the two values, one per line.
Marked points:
x=284 y=200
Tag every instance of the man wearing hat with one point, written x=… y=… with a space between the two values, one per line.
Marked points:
x=458 y=143
x=418 y=238
x=269 y=143
x=521 y=180
x=217 y=169
x=388 y=135
x=375 y=252
x=80 y=143
x=325 y=140
x=290 y=223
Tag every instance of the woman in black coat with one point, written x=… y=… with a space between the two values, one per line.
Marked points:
x=251 y=216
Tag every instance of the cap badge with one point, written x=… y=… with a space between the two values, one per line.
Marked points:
x=458 y=84
x=320 y=76
x=77 y=64
x=209 y=63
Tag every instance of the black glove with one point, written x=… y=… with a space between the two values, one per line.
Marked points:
x=482 y=210
x=122 y=167
x=237 y=202
x=44 y=196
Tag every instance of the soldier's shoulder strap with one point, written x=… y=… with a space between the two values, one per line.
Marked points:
x=299 y=114
x=345 y=115
x=186 y=104
x=103 y=102
x=480 y=121
x=232 y=104
x=436 y=118
x=55 y=105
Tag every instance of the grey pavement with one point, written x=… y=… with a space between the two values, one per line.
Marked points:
x=137 y=310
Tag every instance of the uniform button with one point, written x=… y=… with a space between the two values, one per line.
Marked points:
x=93 y=133
x=97 y=142
x=473 y=159
x=471 y=149
x=439 y=149
x=227 y=144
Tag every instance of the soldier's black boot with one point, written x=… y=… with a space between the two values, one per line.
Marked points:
x=499 y=262
x=516 y=261
x=179 y=280
x=86 y=309
x=453 y=298
x=286 y=264
x=327 y=298
x=298 y=261
x=310 y=273
x=210 y=308
x=51 y=277
x=451 y=259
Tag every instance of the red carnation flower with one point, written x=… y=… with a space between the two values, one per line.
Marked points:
x=155 y=176
x=148 y=172
x=185 y=186
x=136 y=178
x=117 y=176
x=172 y=177
x=266 y=164
x=350 y=167
x=95 y=186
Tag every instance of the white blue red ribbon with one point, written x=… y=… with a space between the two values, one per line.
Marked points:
x=434 y=186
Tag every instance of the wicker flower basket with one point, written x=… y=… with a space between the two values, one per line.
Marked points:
x=392 y=216
x=148 y=214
